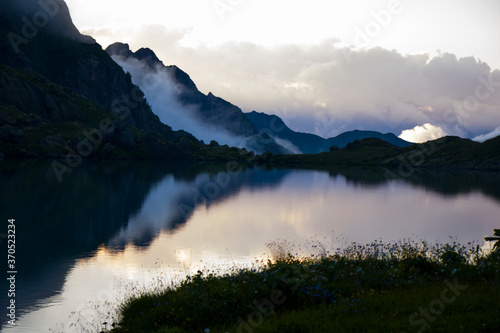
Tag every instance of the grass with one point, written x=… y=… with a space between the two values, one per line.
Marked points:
x=372 y=288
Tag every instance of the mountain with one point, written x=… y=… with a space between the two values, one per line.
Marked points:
x=210 y=112
x=450 y=152
x=344 y=139
x=275 y=127
x=24 y=19
x=62 y=95
x=308 y=143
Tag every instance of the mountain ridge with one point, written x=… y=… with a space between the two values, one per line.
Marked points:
x=208 y=109
x=62 y=96
x=310 y=143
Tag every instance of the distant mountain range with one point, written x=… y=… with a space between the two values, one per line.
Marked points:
x=307 y=143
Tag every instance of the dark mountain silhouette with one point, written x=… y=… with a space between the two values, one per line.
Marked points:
x=344 y=139
x=275 y=127
x=62 y=95
x=24 y=19
x=208 y=109
x=310 y=143
x=449 y=152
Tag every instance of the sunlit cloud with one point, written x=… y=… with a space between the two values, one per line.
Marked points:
x=423 y=133
x=426 y=108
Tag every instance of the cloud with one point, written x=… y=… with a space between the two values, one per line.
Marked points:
x=326 y=89
x=425 y=108
x=487 y=136
x=288 y=145
x=423 y=133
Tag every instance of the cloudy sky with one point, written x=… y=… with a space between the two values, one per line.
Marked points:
x=417 y=68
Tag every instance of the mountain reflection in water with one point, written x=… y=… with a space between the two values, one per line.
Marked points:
x=187 y=213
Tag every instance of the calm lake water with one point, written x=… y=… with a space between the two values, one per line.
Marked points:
x=109 y=229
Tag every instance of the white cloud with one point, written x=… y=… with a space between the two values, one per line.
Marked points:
x=288 y=145
x=423 y=133
x=487 y=136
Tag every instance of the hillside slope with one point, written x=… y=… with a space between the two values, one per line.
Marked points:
x=62 y=96
x=445 y=153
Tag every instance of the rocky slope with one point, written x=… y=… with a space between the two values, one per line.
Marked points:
x=61 y=95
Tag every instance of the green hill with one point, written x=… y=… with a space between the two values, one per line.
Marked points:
x=447 y=152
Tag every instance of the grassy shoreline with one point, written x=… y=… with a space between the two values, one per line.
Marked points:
x=377 y=287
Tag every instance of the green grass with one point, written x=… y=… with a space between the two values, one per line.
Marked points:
x=373 y=288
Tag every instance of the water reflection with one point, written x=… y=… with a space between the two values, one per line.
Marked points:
x=444 y=182
x=114 y=204
x=172 y=202
x=109 y=221
x=57 y=223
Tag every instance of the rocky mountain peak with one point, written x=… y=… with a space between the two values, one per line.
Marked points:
x=28 y=18
x=119 y=49
x=147 y=56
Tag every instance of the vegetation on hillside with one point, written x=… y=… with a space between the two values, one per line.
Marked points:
x=447 y=152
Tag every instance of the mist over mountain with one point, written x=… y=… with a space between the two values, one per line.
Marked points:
x=62 y=95
x=310 y=143
x=175 y=98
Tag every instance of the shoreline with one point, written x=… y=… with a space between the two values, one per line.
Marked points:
x=408 y=288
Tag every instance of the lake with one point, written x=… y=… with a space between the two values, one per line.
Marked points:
x=109 y=229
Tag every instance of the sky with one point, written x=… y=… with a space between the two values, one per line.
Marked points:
x=418 y=68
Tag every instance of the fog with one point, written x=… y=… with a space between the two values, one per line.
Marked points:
x=487 y=136
x=162 y=93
